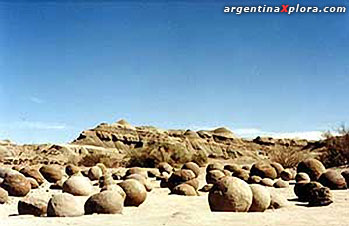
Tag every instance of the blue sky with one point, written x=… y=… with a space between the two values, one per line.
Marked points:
x=65 y=67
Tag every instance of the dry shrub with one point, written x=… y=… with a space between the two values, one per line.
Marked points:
x=109 y=159
x=173 y=153
x=336 y=148
x=288 y=157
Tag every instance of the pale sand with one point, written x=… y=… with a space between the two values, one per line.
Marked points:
x=163 y=209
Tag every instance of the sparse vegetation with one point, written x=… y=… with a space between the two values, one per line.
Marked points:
x=336 y=148
x=109 y=159
x=174 y=154
x=288 y=157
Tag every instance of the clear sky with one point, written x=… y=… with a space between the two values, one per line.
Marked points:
x=66 y=67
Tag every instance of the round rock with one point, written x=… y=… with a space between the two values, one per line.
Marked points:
x=135 y=192
x=230 y=194
x=261 y=198
x=64 y=205
x=313 y=167
x=78 y=185
x=106 y=202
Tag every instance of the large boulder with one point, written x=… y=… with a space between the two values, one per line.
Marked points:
x=94 y=173
x=263 y=169
x=345 y=174
x=242 y=174
x=33 y=173
x=193 y=167
x=106 y=202
x=135 y=192
x=71 y=169
x=52 y=173
x=179 y=177
x=194 y=183
x=230 y=194
x=16 y=184
x=281 y=184
x=333 y=180
x=287 y=175
x=64 y=205
x=213 y=176
x=78 y=185
x=3 y=196
x=320 y=196
x=313 y=167
x=137 y=170
x=32 y=206
x=261 y=198
x=278 y=168
x=232 y=167
x=254 y=179
x=214 y=166
x=302 y=177
x=303 y=190
x=267 y=182
x=184 y=189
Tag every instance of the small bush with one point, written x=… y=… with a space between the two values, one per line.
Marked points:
x=154 y=153
x=288 y=157
x=336 y=148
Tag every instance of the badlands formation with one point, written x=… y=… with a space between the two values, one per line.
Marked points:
x=118 y=174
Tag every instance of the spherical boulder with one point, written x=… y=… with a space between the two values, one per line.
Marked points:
x=71 y=169
x=278 y=168
x=261 y=198
x=3 y=196
x=52 y=173
x=263 y=169
x=320 y=196
x=281 y=184
x=105 y=202
x=267 y=182
x=313 y=167
x=165 y=167
x=214 y=166
x=345 y=174
x=193 y=167
x=230 y=194
x=179 y=177
x=16 y=184
x=213 y=176
x=64 y=205
x=242 y=174
x=137 y=170
x=184 y=189
x=303 y=190
x=33 y=173
x=78 y=185
x=302 y=177
x=94 y=173
x=135 y=192
x=32 y=206
x=254 y=180
x=286 y=175
x=232 y=167
x=333 y=180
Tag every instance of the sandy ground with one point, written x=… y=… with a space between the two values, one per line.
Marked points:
x=163 y=209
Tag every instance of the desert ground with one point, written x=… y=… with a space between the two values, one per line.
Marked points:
x=160 y=208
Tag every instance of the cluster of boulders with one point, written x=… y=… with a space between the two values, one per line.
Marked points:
x=234 y=188
x=314 y=182
x=104 y=194
x=183 y=181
